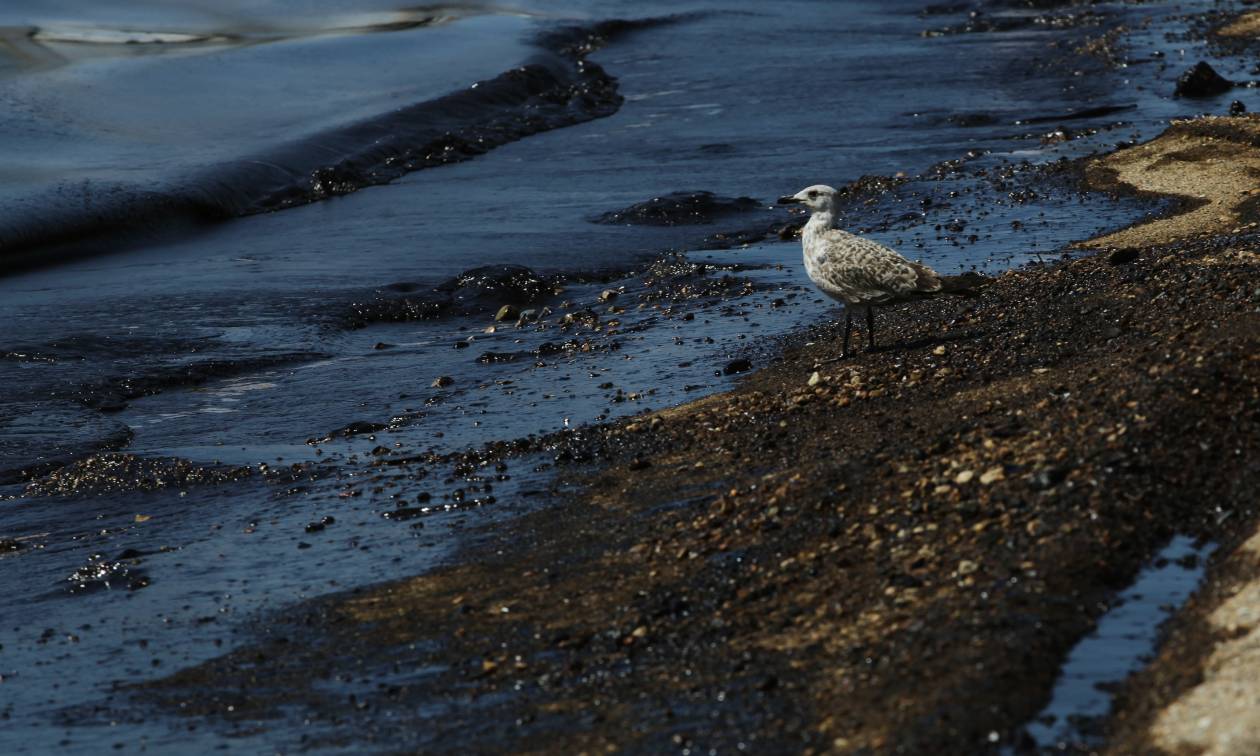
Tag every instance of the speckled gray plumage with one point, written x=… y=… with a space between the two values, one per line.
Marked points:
x=859 y=271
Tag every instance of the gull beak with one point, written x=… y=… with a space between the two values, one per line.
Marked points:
x=789 y=201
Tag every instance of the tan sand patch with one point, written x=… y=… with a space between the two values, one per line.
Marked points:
x=1246 y=25
x=1212 y=163
x=1221 y=715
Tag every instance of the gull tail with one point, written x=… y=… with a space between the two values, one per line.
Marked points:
x=964 y=285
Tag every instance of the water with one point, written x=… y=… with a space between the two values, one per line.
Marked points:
x=1121 y=645
x=152 y=305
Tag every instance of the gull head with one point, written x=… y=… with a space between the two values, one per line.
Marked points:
x=817 y=198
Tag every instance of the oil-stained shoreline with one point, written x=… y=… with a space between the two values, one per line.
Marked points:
x=889 y=554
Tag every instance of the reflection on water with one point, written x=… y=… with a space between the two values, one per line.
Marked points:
x=57 y=43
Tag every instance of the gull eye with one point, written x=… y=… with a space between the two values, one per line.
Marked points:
x=812 y=195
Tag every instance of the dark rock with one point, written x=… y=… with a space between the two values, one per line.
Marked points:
x=442 y=381
x=492 y=286
x=1202 y=81
x=115 y=473
x=1123 y=255
x=99 y=574
x=1046 y=478
x=355 y=429
x=680 y=209
x=791 y=230
x=8 y=544
x=740 y=365
x=474 y=291
x=490 y=358
x=1237 y=108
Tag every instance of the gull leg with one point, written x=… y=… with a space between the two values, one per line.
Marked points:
x=844 y=352
x=848 y=329
x=870 y=326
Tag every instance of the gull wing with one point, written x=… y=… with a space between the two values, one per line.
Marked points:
x=867 y=272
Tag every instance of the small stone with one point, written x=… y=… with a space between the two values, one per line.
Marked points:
x=992 y=475
x=608 y=295
x=1047 y=478
x=1237 y=108
x=967 y=567
x=1123 y=255
x=507 y=312
x=737 y=366
x=939 y=351
x=964 y=477
x=1202 y=81
x=640 y=632
x=442 y=381
x=815 y=379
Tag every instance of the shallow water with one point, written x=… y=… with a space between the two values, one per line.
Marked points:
x=231 y=336
x=1122 y=643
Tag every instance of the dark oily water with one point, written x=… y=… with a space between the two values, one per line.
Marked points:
x=1122 y=643
x=356 y=336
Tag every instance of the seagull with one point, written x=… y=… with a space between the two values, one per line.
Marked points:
x=860 y=272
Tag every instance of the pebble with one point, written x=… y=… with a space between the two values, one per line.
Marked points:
x=506 y=312
x=992 y=475
x=964 y=477
x=815 y=379
x=1202 y=81
x=442 y=381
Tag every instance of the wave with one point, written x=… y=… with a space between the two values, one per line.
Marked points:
x=558 y=87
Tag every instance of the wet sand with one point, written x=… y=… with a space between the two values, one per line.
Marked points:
x=893 y=553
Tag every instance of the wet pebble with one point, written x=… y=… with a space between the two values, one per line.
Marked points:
x=740 y=365
x=1202 y=81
